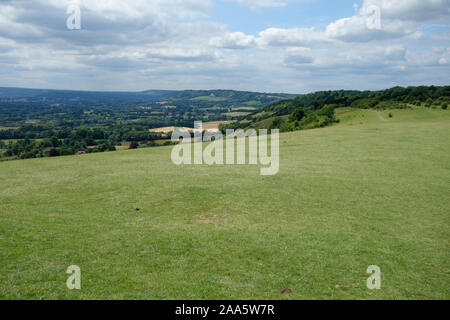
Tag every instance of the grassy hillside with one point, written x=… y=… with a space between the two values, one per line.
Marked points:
x=372 y=189
x=316 y=109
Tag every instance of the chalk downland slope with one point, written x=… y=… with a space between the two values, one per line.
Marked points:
x=363 y=192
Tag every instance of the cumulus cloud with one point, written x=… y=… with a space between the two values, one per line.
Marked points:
x=397 y=19
x=115 y=10
x=112 y=25
x=299 y=56
x=142 y=44
x=291 y=37
x=264 y=4
x=355 y=29
x=276 y=37
x=183 y=54
x=234 y=40
x=255 y=4
x=412 y=10
x=112 y=21
x=375 y=20
x=395 y=53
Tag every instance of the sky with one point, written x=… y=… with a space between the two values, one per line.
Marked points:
x=291 y=46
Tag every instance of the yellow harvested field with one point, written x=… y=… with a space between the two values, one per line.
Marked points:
x=237 y=114
x=213 y=125
x=169 y=129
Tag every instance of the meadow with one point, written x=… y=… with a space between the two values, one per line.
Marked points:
x=371 y=190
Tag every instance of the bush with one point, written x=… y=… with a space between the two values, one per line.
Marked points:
x=27 y=155
x=134 y=145
x=53 y=152
x=390 y=115
x=66 y=151
x=445 y=106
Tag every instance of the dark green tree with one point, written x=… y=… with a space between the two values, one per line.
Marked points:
x=134 y=145
x=297 y=115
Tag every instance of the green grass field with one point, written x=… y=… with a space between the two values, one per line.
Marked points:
x=371 y=190
x=209 y=98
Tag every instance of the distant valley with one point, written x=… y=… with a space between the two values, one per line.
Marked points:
x=40 y=123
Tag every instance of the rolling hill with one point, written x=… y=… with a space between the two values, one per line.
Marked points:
x=317 y=109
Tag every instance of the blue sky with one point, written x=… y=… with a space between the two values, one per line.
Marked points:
x=293 y=46
x=309 y=13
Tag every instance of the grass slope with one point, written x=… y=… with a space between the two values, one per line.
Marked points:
x=371 y=190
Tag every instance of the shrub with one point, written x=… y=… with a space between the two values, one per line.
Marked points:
x=445 y=106
x=53 y=152
x=390 y=115
x=66 y=151
x=134 y=145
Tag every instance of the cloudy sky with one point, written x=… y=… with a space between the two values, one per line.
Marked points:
x=293 y=46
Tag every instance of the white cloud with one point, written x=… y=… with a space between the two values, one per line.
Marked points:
x=275 y=37
x=173 y=44
x=234 y=40
x=136 y=9
x=255 y=4
x=264 y=4
x=299 y=56
x=290 y=37
x=355 y=29
x=398 y=18
x=395 y=53
x=412 y=10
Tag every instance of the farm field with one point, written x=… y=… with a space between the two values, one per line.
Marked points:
x=371 y=190
x=212 y=125
x=8 y=128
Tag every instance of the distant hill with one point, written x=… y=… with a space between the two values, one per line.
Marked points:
x=204 y=98
x=227 y=98
x=45 y=97
x=18 y=104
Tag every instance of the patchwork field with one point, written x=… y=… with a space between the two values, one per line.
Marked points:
x=373 y=190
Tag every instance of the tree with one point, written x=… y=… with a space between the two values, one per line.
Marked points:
x=55 y=142
x=98 y=134
x=297 y=115
x=276 y=123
